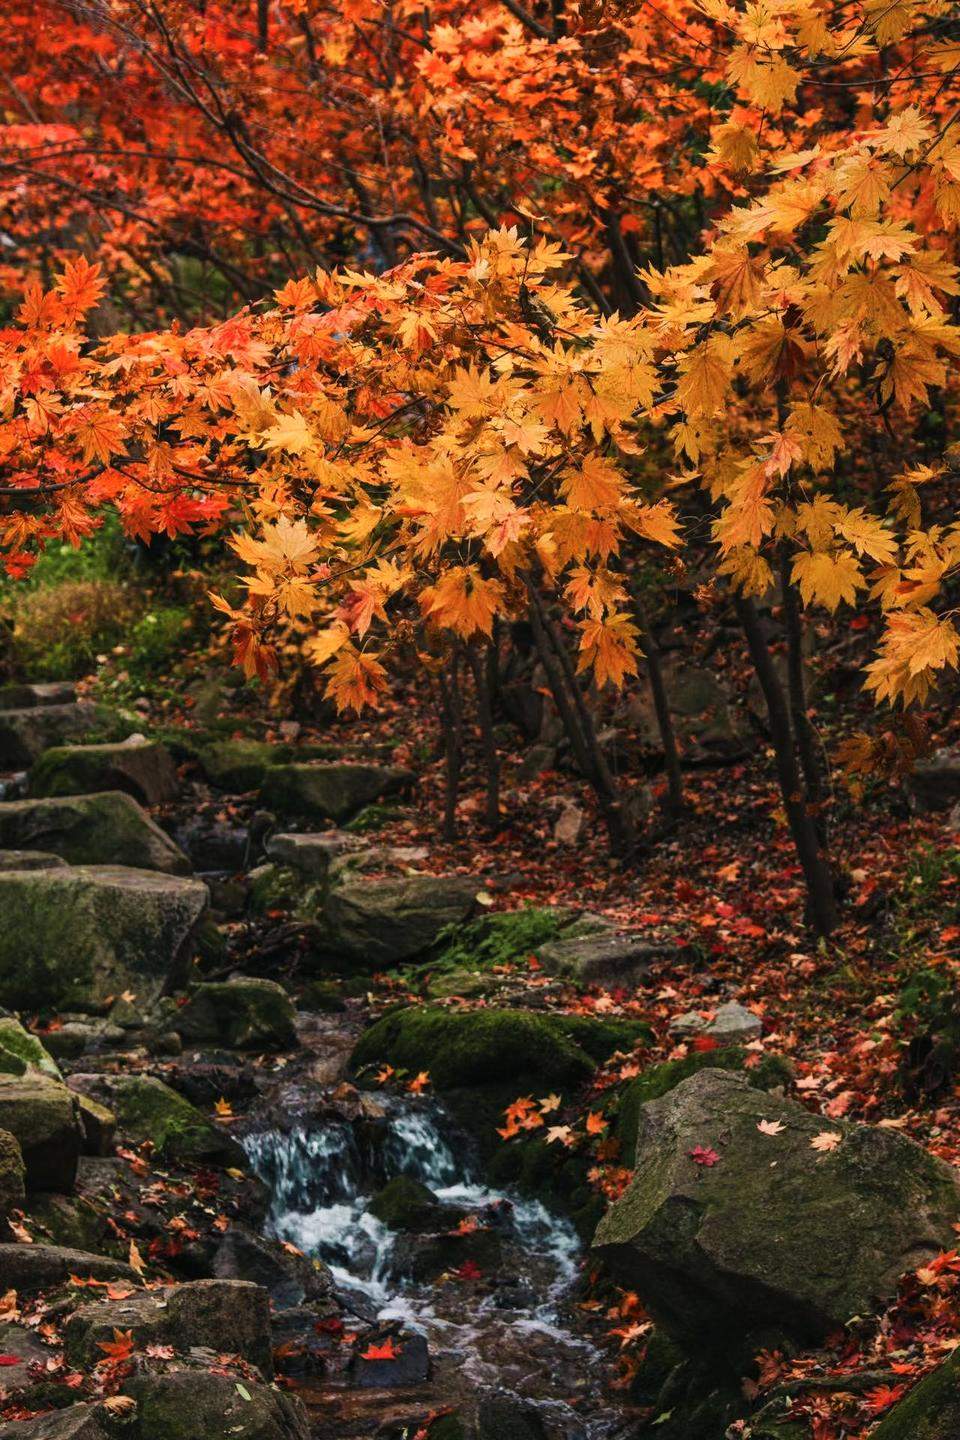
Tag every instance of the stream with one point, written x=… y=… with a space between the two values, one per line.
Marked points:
x=517 y=1327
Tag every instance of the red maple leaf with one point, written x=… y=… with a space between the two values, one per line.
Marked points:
x=700 y=1155
x=386 y=1351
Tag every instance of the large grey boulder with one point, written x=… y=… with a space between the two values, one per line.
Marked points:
x=41 y=1115
x=190 y=1404
x=72 y=938
x=102 y=829
x=230 y=1317
x=329 y=791
x=138 y=767
x=26 y=733
x=730 y=1233
x=380 y=922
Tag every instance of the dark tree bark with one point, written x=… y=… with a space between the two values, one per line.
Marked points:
x=813 y=861
x=484 y=675
x=796 y=689
x=661 y=704
x=451 y=700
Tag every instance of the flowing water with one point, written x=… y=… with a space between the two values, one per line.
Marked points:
x=521 y=1331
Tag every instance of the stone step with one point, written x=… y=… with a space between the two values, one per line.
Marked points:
x=142 y=768
x=101 y=829
x=26 y=732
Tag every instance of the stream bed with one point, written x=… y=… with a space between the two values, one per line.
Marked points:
x=511 y=1322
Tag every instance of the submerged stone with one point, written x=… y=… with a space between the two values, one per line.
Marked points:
x=98 y=829
x=768 y=1234
x=138 y=767
x=73 y=938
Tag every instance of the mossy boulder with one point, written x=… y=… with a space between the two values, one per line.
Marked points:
x=96 y=829
x=243 y=1014
x=405 y=1203
x=20 y=1051
x=138 y=767
x=771 y=1072
x=40 y=1114
x=371 y=923
x=520 y=1048
x=27 y=732
x=227 y=1316
x=12 y=1175
x=74 y=1222
x=30 y=860
x=931 y=1411
x=187 y=1404
x=273 y=887
x=72 y=938
x=240 y=765
x=332 y=792
x=146 y=1109
x=733 y=1237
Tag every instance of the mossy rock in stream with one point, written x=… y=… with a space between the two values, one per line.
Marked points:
x=773 y=1071
x=147 y=1109
x=520 y=1048
x=407 y=1204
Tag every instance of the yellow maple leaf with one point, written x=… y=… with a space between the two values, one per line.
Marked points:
x=610 y=646
x=827 y=577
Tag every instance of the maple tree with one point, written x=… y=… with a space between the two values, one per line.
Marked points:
x=690 y=266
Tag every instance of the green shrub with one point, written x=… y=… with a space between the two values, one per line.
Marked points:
x=59 y=630
x=156 y=637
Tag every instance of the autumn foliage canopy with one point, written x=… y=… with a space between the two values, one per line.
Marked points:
x=466 y=303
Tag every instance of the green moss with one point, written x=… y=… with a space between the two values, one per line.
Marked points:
x=932 y=1409
x=146 y=1109
x=772 y=1070
x=483 y=1047
x=273 y=887
x=323 y=995
x=372 y=818
x=20 y=1046
x=503 y=938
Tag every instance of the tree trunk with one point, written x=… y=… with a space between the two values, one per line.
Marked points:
x=796 y=687
x=813 y=862
x=661 y=704
x=483 y=674
x=452 y=710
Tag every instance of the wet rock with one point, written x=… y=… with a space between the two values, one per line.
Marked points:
x=312 y=854
x=41 y=1114
x=230 y=1317
x=80 y=1422
x=12 y=1175
x=935 y=783
x=16 y=1340
x=407 y=1204
x=75 y=937
x=29 y=1269
x=471 y=1255
x=374 y=923
x=501 y=1415
x=204 y=1082
x=775 y=1236
x=288 y=1278
x=406 y=1362
x=30 y=860
x=26 y=696
x=146 y=1109
x=26 y=733
x=594 y=953
x=188 y=1404
x=329 y=791
x=20 y=1051
x=931 y=1411
x=138 y=767
x=97 y=829
x=242 y=1013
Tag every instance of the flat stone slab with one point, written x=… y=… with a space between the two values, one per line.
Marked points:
x=100 y=829
x=29 y=1268
x=330 y=791
x=73 y=938
x=26 y=697
x=595 y=954
x=314 y=852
